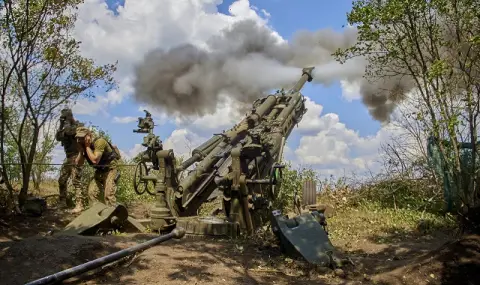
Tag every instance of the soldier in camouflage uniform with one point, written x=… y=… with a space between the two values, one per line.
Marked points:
x=66 y=135
x=104 y=157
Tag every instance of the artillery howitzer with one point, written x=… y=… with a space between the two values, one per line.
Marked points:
x=243 y=164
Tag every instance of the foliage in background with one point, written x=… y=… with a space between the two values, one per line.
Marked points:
x=43 y=155
x=41 y=69
x=292 y=181
x=432 y=48
x=383 y=208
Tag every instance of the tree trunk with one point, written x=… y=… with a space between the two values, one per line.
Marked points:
x=37 y=179
x=470 y=220
x=22 y=196
x=27 y=167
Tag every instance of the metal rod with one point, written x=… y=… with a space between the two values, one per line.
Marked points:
x=209 y=179
x=258 y=181
x=177 y=233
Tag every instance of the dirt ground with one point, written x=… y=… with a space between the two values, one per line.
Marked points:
x=28 y=252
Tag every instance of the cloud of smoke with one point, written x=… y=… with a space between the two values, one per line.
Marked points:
x=384 y=94
x=245 y=61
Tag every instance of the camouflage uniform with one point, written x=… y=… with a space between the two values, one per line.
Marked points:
x=106 y=170
x=66 y=135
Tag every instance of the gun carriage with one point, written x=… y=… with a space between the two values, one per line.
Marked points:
x=243 y=163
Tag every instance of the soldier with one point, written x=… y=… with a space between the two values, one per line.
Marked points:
x=104 y=157
x=66 y=135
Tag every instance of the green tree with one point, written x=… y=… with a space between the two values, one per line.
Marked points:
x=434 y=46
x=41 y=69
x=43 y=155
x=292 y=181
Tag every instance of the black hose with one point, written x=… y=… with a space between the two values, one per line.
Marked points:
x=177 y=233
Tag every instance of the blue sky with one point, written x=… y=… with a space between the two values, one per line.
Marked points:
x=286 y=17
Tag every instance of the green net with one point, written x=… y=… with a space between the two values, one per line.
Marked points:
x=438 y=163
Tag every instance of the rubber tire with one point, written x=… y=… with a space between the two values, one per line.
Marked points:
x=309 y=193
x=137 y=175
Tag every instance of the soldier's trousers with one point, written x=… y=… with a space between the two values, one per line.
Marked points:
x=103 y=187
x=69 y=169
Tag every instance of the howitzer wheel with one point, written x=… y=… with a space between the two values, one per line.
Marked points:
x=276 y=176
x=309 y=193
x=139 y=184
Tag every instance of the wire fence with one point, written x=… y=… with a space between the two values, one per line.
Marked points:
x=65 y=164
x=51 y=173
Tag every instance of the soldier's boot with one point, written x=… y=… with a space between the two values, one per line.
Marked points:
x=63 y=204
x=78 y=207
x=62 y=201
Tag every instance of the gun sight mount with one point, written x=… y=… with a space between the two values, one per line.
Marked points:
x=145 y=125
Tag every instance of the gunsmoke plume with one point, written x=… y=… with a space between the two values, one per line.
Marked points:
x=244 y=61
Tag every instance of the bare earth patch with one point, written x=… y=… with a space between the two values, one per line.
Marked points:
x=28 y=253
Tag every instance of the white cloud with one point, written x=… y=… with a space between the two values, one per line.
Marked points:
x=350 y=90
x=87 y=107
x=265 y=13
x=183 y=141
x=311 y=121
x=100 y=103
x=124 y=120
x=289 y=154
x=332 y=148
x=134 y=151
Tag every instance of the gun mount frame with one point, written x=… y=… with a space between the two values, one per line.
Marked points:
x=243 y=163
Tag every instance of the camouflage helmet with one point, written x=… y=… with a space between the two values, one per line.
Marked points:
x=67 y=112
x=82 y=132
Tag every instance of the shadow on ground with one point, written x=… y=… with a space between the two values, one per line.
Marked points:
x=20 y=226
x=410 y=257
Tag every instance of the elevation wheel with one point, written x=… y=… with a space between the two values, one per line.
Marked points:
x=140 y=184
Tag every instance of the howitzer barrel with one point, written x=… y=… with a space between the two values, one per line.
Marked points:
x=306 y=76
x=207 y=146
x=295 y=94
x=266 y=105
x=201 y=151
x=68 y=273
x=288 y=116
x=288 y=110
x=229 y=137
